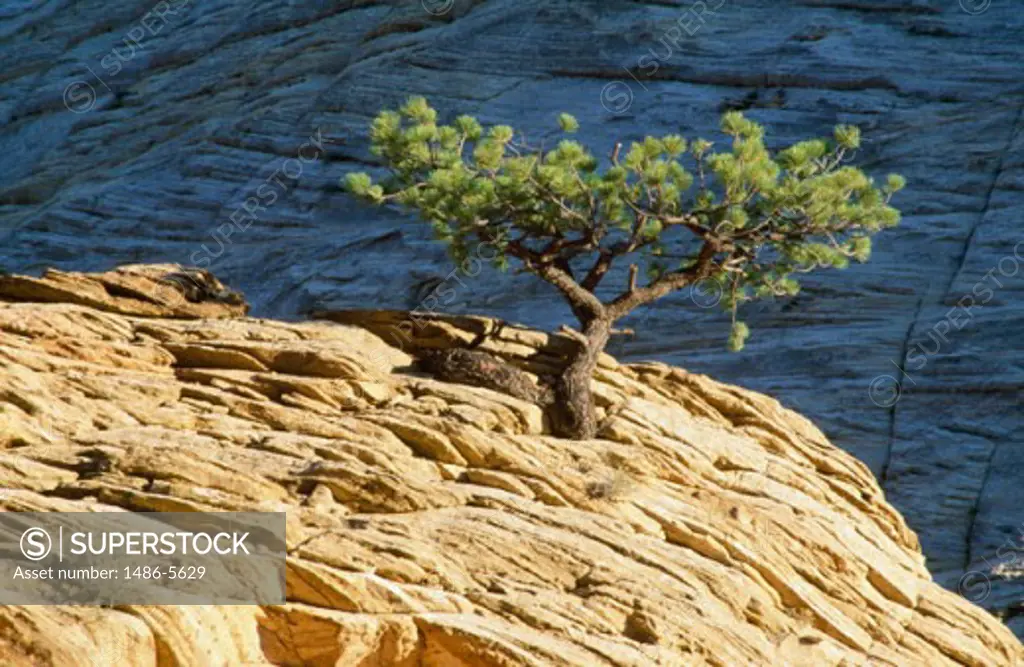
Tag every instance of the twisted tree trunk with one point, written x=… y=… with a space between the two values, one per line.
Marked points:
x=572 y=414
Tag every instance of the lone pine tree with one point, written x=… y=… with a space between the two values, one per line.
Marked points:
x=745 y=220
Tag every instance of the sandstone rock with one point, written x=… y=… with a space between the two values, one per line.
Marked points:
x=157 y=290
x=439 y=525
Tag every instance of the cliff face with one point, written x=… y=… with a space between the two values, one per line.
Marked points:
x=437 y=524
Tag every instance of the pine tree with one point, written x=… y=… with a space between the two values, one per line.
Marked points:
x=746 y=220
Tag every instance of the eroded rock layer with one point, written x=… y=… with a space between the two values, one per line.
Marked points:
x=433 y=524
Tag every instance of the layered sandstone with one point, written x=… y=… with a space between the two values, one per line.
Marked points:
x=439 y=525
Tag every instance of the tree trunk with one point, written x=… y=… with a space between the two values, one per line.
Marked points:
x=573 y=415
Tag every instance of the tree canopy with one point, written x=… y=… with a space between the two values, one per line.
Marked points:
x=680 y=211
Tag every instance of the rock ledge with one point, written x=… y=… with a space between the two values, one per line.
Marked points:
x=437 y=525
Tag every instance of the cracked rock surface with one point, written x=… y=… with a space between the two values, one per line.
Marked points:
x=149 y=151
x=439 y=525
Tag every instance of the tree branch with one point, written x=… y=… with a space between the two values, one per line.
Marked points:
x=689 y=220
x=667 y=283
x=598 y=270
x=608 y=255
x=584 y=304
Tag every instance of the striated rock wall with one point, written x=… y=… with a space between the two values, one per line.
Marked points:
x=438 y=525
